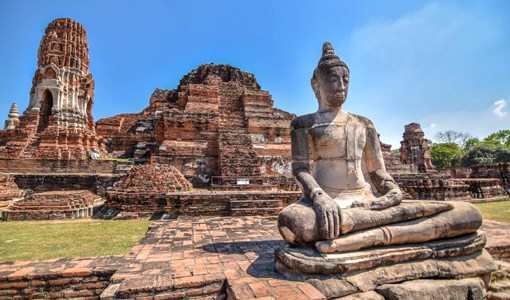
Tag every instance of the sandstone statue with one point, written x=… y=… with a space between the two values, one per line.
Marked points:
x=351 y=217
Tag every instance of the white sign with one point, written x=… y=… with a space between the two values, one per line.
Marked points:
x=243 y=181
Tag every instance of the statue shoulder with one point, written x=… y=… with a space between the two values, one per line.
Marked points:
x=304 y=121
x=364 y=120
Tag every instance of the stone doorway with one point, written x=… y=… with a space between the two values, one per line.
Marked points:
x=45 y=110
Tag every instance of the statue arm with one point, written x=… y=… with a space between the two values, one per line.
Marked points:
x=326 y=210
x=301 y=155
x=382 y=180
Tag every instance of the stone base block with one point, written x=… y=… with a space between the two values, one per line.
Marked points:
x=390 y=269
x=469 y=289
x=308 y=260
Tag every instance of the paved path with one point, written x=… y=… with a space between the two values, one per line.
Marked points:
x=197 y=251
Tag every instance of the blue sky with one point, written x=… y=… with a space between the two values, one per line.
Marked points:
x=444 y=64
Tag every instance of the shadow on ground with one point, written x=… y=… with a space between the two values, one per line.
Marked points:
x=260 y=254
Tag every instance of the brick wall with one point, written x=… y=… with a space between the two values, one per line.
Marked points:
x=202 y=203
x=57 y=279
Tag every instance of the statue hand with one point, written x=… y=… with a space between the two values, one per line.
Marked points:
x=392 y=198
x=328 y=216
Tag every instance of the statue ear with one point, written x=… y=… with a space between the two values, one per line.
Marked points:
x=315 y=85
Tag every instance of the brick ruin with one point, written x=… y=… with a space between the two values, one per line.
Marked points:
x=415 y=149
x=12 y=118
x=54 y=205
x=500 y=170
x=412 y=168
x=9 y=190
x=392 y=161
x=153 y=178
x=218 y=132
x=160 y=188
x=57 y=123
x=219 y=128
x=52 y=149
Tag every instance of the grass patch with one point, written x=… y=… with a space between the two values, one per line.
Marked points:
x=38 y=240
x=497 y=211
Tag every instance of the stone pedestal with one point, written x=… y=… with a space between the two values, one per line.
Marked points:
x=457 y=267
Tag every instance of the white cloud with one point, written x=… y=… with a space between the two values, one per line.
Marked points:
x=499 y=107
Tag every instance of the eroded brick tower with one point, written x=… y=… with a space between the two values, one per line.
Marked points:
x=57 y=123
x=415 y=149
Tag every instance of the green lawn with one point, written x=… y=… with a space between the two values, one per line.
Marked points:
x=73 y=238
x=497 y=211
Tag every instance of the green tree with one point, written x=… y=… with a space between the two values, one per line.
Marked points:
x=498 y=138
x=446 y=155
x=502 y=155
x=483 y=153
x=452 y=136
x=471 y=143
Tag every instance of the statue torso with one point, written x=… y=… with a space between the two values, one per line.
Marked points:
x=337 y=142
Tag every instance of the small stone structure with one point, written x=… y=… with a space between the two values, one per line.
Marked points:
x=12 y=118
x=57 y=123
x=415 y=149
x=153 y=178
x=55 y=205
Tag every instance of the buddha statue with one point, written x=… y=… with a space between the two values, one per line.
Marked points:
x=348 y=196
x=351 y=234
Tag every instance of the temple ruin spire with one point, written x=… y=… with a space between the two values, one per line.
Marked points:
x=58 y=123
x=12 y=118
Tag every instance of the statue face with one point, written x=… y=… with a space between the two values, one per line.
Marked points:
x=333 y=85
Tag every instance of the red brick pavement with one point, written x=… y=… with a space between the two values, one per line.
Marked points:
x=196 y=251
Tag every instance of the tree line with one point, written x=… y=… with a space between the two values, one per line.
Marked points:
x=458 y=149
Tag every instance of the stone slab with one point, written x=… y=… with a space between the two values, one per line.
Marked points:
x=309 y=261
x=498 y=243
x=470 y=288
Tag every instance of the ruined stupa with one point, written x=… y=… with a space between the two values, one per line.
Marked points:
x=57 y=123
x=153 y=178
x=218 y=127
x=12 y=118
x=415 y=149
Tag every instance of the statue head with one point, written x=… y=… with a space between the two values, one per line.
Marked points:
x=330 y=80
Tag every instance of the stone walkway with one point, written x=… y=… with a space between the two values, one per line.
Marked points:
x=184 y=258
x=208 y=255
x=498 y=239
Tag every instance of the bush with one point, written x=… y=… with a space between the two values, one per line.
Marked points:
x=446 y=155
x=502 y=155
x=486 y=154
